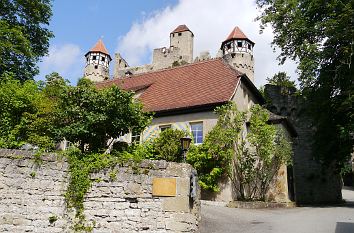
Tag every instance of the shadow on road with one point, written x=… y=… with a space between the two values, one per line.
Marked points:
x=344 y=227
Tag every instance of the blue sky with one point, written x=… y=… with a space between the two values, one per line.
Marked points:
x=134 y=28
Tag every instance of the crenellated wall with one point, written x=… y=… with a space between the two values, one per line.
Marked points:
x=32 y=197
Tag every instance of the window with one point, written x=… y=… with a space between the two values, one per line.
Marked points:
x=179 y=34
x=197 y=132
x=136 y=136
x=164 y=127
x=239 y=43
x=94 y=58
x=96 y=66
x=102 y=59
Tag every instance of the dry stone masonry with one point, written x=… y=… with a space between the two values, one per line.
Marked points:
x=32 y=197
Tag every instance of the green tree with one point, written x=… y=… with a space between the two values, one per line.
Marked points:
x=281 y=79
x=268 y=149
x=23 y=107
x=213 y=158
x=23 y=36
x=167 y=145
x=90 y=117
x=250 y=160
x=320 y=36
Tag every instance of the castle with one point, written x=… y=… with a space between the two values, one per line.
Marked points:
x=236 y=50
x=183 y=92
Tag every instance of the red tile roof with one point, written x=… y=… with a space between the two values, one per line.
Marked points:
x=198 y=84
x=181 y=28
x=99 y=47
x=237 y=34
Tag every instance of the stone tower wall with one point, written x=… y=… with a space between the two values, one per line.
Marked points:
x=313 y=183
x=96 y=74
x=183 y=41
x=243 y=62
x=167 y=57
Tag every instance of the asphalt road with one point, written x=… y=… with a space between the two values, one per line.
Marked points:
x=338 y=219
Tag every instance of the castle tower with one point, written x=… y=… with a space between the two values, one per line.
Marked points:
x=237 y=50
x=182 y=38
x=97 y=63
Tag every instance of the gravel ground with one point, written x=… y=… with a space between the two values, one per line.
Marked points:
x=326 y=219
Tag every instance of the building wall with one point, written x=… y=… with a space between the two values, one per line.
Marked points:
x=313 y=182
x=31 y=194
x=181 y=122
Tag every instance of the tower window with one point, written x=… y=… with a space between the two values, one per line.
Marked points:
x=94 y=58
x=102 y=59
x=96 y=66
x=239 y=43
x=249 y=46
x=180 y=34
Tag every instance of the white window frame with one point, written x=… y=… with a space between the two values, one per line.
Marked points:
x=202 y=131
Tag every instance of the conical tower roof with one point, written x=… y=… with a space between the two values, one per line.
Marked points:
x=99 y=48
x=237 y=33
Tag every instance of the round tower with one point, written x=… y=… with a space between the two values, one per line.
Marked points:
x=97 y=63
x=182 y=38
x=237 y=50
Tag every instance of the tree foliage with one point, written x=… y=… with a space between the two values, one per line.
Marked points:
x=259 y=156
x=90 y=117
x=320 y=36
x=250 y=160
x=23 y=115
x=281 y=79
x=168 y=145
x=212 y=159
x=41 y=113
x=24 y=37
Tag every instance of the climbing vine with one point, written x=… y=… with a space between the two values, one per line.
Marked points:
x=81 y=166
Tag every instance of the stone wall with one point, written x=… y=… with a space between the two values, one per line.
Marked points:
x=313 y=182
x=32 y=197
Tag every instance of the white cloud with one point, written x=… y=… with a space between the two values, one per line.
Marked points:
x=65 y=59
x=211 y=22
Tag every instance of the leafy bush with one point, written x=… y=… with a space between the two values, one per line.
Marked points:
x=24 y=114
x=168 y=145
x=212 y=159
